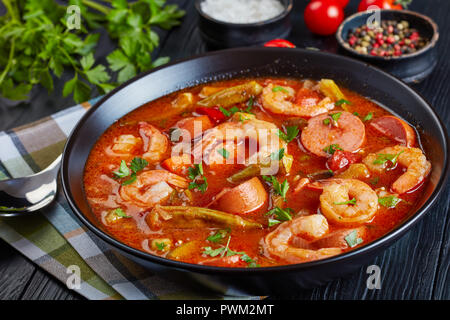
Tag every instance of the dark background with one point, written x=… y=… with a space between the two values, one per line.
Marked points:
x=416 y=267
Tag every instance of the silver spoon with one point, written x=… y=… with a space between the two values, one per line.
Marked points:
x=28 y=194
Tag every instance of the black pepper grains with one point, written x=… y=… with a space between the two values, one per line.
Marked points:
x=390 y=39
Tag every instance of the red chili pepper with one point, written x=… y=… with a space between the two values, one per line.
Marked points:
x=279 y=43
x=213 y=113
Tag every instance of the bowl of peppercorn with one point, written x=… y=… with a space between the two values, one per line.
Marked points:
x=400 y=42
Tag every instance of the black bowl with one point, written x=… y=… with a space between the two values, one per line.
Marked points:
x=220 y=34
x=254 y=62
x=412 y=67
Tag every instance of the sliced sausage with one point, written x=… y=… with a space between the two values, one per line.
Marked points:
x=246 y=197
x=396 y=129
x=178 y=164
x=348 y=135
x=201 y=123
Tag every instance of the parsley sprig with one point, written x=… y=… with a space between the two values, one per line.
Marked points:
x=352 y=239
x=382 y=158
x=279 y=215
x=226 y=251
x=198 y=178
x=291 y=133
x=279 y=188
x=331 y=149
x=36 y=44
x=389 y=201
x=136 y=165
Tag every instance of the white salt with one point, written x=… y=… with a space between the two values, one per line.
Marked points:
x=242 y=11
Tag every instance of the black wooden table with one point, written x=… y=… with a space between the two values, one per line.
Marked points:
x=416 y=267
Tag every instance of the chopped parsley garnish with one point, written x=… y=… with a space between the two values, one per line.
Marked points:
x=368 y=117
x=277 y=155
x=279 y=188
x=195 y=174
x=331 y=149
x=389 y=201
x=336 y=116
x=250 y=103
x=382 y=158
x=120 y=213
x=273 y=222
x=123 y=170
x=280 y=214
x=279 y=88
x=291 y=133
x=160 y=245
x=353 y=201
x=352 y=239
x=342 y=101
x=136 y=165
x=356 y=114
x=225 y=112
x=219 y=235
x=224 y=153
x=326 y=121
x=222 y=251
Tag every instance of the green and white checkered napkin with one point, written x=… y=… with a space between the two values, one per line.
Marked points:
x=54 y=239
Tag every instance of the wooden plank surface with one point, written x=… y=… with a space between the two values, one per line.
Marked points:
x=416 y=267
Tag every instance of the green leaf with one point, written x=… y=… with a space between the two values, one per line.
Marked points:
x=281 y=214
x=342 y=101
x=87 y=61
x=160 y=61
x=160 y=245
x=224 y=153
x=273 y=222
x=132 y=179
x=120 y=213
x=336 y=116
x=382 y=158
x=97 y=75
x=277 y=155
x=69 y=86
x=82 y=92
x=138 y=164
x=123 y=170
x=353 y=201
x=352 y=239
x=218 y=236
x=368 y=117
x=291 y=133
x=326 y=121
x=279 y=88
x=213 y=252
x=331 y=149
x=389 y=201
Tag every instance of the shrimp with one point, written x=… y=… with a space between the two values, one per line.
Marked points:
x=152 y=188
x=155 y=143
x=262 y=137
x=277 y=101
x=124 y=144
x=417 y=166
x=348 y=201
x=312 y=227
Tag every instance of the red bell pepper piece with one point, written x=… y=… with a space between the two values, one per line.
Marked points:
x=214 y=114
x=279 y=43
x=342 y=159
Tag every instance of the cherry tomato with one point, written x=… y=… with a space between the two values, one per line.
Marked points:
x=279 y=43
x=323 y=16
x=382 y=4
x=343 y=3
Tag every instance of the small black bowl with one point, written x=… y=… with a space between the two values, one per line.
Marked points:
x=220 y=34
x=412 y=67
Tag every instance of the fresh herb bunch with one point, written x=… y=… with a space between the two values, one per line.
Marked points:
x=35 y=43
